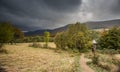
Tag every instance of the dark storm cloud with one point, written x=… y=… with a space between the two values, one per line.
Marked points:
x=116 y=7
x=63 y=5
x=35 y=14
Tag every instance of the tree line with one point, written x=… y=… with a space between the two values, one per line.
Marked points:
x=79 y=37
x=12 y=35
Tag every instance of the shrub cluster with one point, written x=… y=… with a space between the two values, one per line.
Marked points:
x=75 y=37
x=110 y=39
x=106 y=62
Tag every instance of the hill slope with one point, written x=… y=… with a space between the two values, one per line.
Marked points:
x=41 y=32
x=103 y=24
x=91 y=25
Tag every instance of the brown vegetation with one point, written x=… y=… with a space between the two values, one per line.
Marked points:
x=21 y=58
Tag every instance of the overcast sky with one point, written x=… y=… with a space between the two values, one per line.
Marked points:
x=49 y=14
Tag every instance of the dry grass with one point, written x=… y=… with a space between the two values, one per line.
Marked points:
x=106 y=63
x=21 y=58
x=50 y=44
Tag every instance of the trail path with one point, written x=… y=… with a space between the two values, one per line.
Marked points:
x=84 y=66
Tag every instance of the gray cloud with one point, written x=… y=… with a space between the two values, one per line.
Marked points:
x=36 y=14
x=116 y=7
x=103 y=9
x=63 y=5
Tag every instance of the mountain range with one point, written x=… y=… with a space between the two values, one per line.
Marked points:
x=90 y=25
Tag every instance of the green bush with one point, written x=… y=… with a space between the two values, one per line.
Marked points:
x=76 y=36
x=110 y=39
x=61 y=40
x=33 y=39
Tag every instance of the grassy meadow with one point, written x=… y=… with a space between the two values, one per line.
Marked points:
x=22 y=58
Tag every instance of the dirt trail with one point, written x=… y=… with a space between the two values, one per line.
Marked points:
x=84 y=66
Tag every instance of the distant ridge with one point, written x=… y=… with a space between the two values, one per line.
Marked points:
x=41 y=31
x=103 y=24
x=91 y=25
